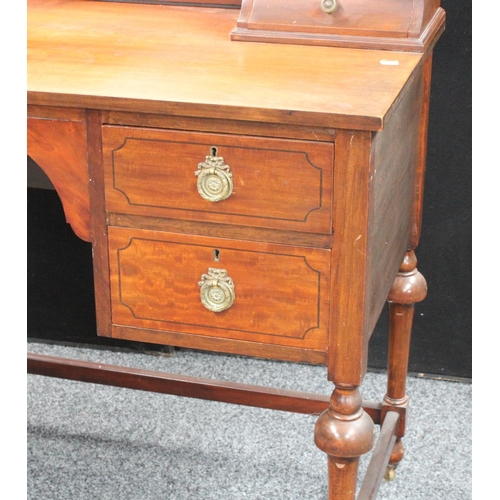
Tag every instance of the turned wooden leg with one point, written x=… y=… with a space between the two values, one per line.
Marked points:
x=409 y=287
x=344 y=432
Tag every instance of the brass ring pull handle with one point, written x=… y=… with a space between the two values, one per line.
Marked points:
x=215 y=180
x=216 y=290
x=328 y=6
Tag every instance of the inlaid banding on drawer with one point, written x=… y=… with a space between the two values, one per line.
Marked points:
x=274 y=183
x=281 y=293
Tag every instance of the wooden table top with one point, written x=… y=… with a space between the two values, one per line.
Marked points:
x=180 y=60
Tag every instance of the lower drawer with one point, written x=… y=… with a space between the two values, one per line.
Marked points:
x=212 y=287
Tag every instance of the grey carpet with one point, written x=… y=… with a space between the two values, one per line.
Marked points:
x=92 y=442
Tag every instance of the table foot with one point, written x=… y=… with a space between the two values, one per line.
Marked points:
x=390 y=473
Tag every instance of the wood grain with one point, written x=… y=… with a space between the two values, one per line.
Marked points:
x=226 y=126
x=282 y=293
x=418 y=199
x=98 y=223
x=406 y=25
x=59 y=147
x=186 y=386
x=129 y=57
x=380 y=458
x=374 y=205
x=327 y=148
x=283 y=184
x=347 y=356
x=383 y=18
x=222 y=345
x=219 y=230
x=396 y=159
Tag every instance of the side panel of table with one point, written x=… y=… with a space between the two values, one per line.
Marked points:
x=377 y=195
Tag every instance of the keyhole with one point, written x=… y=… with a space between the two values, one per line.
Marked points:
x=213 y=151
x=216 y=255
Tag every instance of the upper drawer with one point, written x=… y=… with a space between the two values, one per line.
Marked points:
x=251 y=181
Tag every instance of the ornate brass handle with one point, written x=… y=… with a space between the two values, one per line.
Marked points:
x=328 y=6
x=215 y=180
x=216 y=290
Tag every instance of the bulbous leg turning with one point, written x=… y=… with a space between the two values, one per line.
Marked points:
x=344 y=432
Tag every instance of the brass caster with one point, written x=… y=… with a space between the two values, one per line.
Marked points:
x=390 y=473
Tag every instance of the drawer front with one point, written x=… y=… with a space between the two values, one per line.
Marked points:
x=249 y=181
x=254 y=292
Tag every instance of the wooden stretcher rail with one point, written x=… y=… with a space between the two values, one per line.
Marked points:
x=380 y=457
x=180 y=385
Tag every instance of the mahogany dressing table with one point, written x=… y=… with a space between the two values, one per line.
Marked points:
x=251 y=179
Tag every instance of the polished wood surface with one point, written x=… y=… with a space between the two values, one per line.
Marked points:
x=380 y=458
x=395 y=159
x=418 y=196
x=282 y=184
x=282 y=293
x=327 y=152
x=98 y=223
x=57 y=142
x=226 y=126
x=349 y=252
x=220 y=230
x=381 y=18
x=408 y=288
x=180 y=385
x=406 y=25
x=126 y=57
x=344 y=432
